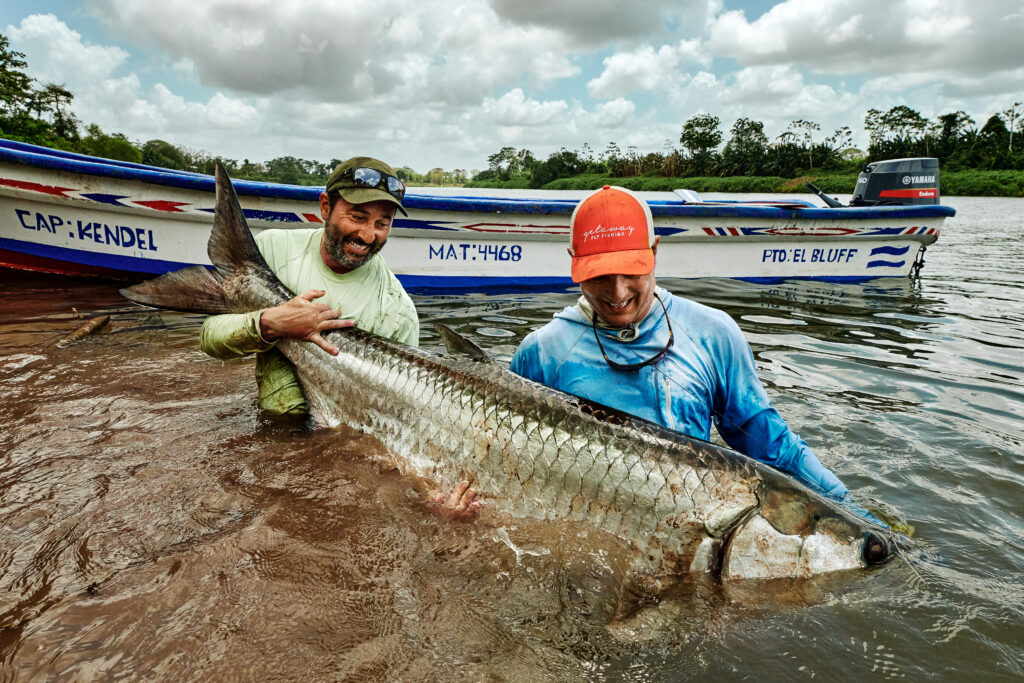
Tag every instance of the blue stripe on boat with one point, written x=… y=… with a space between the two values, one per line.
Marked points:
x=432 y=284
x=425 y=284
x=417 y=284
x=885 y=264
x=130 y=264
x=106 y=198
x=415 y=224
x=892 y=251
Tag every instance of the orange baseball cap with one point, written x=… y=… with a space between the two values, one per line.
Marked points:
x=612 y=234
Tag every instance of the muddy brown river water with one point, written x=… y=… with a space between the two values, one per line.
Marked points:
x=154 y=525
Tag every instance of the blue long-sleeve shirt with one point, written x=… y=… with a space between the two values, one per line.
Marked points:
x=708 y=375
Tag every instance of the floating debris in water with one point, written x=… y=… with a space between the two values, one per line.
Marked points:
x=84 y=330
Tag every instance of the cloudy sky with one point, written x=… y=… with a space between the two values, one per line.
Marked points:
x=448 y=82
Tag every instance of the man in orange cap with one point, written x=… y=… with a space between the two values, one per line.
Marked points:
x=633 y=346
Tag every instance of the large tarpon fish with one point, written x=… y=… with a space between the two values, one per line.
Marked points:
x=685 y=505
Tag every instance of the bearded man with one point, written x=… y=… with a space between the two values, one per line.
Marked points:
x=338 y=265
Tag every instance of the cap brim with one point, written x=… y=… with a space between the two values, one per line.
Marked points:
x=365 y=195
x=632 y=262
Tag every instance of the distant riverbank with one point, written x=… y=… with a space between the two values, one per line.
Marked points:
x=952 y=183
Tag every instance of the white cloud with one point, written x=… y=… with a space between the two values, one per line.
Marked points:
x=764 y=84
x=60 y=56
x=454 y=51
x=882 y=36
x=931 y=25
x=645 y=69
x=186 y=68
x=704 y=81
x=115 y=102
x=614 y=113
x=595 y=22
x=405 y=31
x=515 y=109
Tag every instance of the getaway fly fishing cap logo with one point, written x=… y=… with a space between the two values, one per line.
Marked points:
x=601 y=232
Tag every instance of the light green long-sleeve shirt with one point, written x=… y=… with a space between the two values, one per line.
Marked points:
x=369 y=295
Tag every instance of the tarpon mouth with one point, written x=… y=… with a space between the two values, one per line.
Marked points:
x=791 y=535
x=757 y=550
x=684 y=504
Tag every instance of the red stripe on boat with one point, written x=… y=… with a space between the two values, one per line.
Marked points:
x=164 y=205
x=36 y=187
x=312 y=218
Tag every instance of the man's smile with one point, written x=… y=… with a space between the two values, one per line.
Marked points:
x=358 y=247
x=619 y=305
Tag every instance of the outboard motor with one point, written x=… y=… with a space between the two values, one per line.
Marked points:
x=898 y=181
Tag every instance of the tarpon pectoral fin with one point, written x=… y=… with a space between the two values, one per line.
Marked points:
x=457 y=344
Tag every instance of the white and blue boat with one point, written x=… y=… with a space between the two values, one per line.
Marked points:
x=77 y=215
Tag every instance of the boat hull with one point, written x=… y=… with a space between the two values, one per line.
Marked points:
x=63 y=213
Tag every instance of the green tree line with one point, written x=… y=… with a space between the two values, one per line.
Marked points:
x=41 y=114
x=798 y=152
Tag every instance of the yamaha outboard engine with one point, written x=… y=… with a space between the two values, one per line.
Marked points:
x=898 y=181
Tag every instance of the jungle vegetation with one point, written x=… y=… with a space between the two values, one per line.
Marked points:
x=986 y=160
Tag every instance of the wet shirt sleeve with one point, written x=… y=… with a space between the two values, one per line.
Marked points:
x=232 y=335
x=279 y=390
x=748 y=422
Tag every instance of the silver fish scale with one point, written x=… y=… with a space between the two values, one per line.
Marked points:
x=526 y=448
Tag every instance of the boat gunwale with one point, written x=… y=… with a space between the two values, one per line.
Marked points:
x=58 y=160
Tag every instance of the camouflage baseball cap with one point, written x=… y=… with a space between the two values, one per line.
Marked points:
x=364 y=179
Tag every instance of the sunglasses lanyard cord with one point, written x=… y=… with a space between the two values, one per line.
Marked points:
x=653 y=363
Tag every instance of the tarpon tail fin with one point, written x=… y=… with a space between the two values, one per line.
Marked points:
x=231 y=249
x=196 y=289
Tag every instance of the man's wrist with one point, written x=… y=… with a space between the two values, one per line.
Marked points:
x=263 y=330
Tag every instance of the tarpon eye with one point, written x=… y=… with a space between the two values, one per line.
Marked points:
x=876 y=551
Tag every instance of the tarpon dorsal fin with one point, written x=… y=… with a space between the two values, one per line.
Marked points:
x=459 y=345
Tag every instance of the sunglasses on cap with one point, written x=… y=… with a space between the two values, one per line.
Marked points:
x=363 y=176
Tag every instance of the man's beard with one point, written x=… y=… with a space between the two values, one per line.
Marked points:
x=336 y=248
